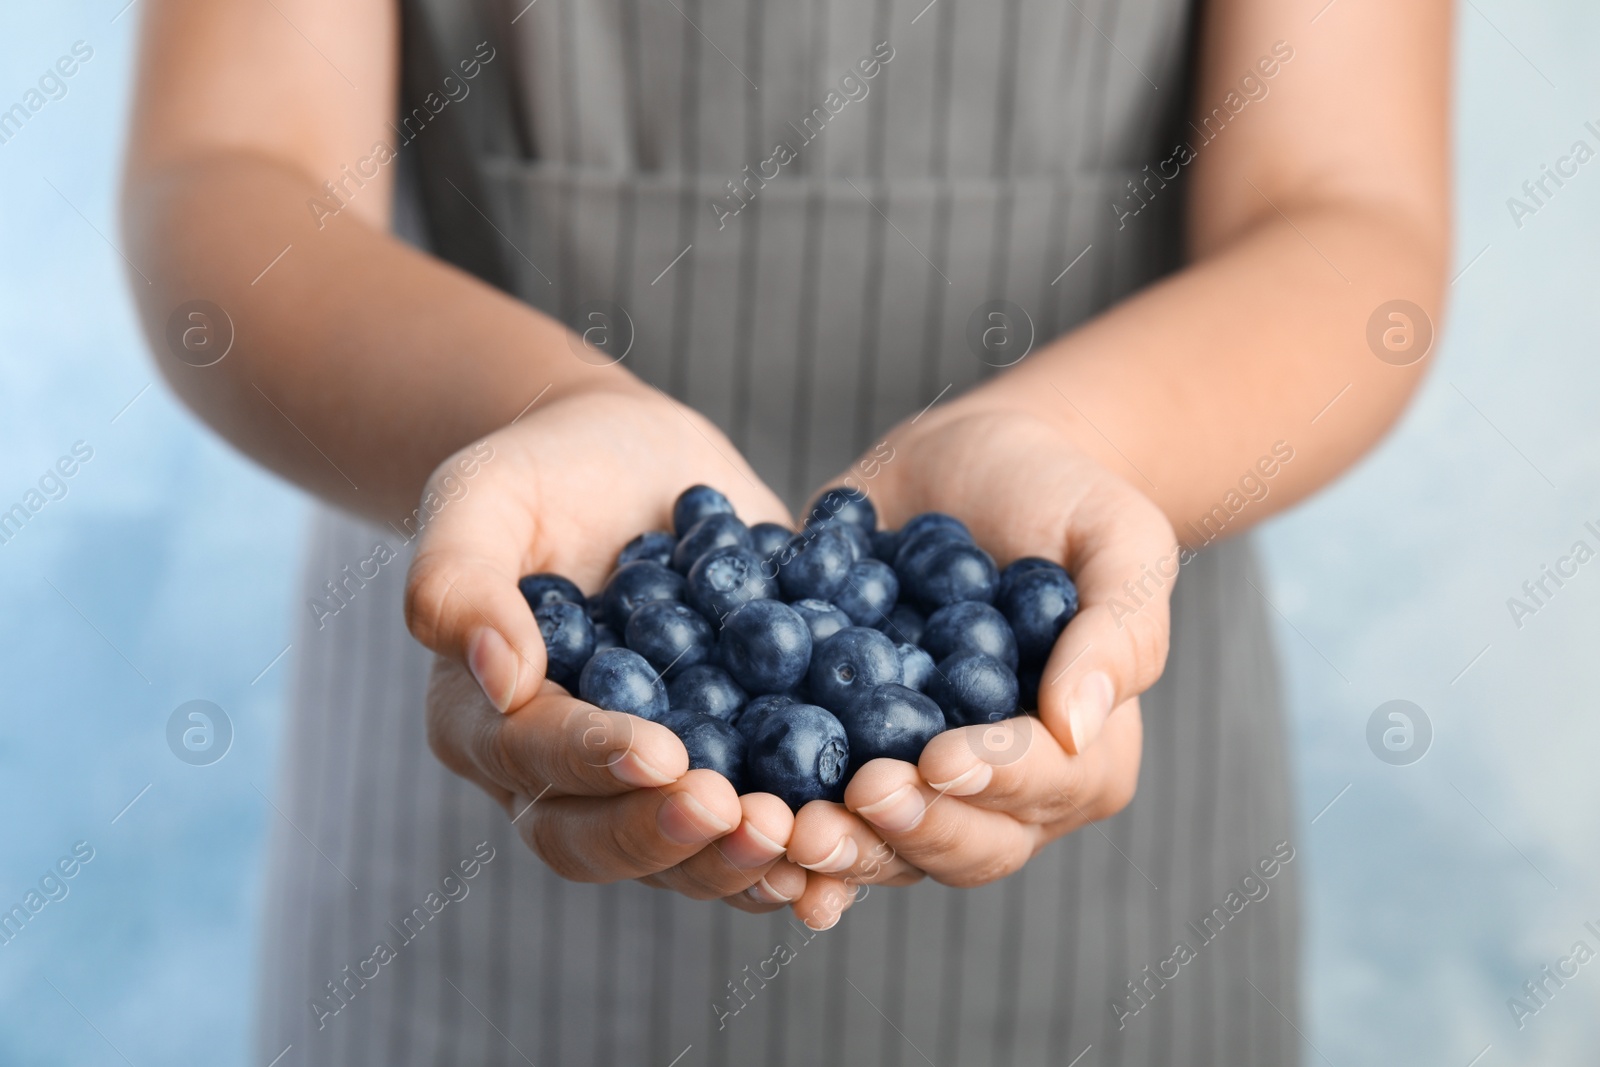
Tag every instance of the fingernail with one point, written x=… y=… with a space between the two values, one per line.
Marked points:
x=749 y=847
x=1089 y=707
x=843 y=857
x=829 y=925
x=494 y=665
x=630 y=769
x=686 y=821
x=971 y=781
x=900 y=810
x=763 y=893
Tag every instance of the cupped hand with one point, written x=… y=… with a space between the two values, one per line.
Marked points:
x=600 y=796
x=982 y=800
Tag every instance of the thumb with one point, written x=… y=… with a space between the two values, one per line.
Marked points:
x=1116 y=646
x=462 y=599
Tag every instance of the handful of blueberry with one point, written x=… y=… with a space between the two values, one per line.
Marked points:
x=784 y=661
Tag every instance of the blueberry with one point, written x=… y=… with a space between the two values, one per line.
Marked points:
x=913 y=552
x=844 y=504
x=817 y=565
x=672 y=636
x=712 y=532
x=869 y=593
x=637 y=583
x=595 y=608
x=605 y=637
x=712 y=745
x=952 y=572
x=1016 y=569
x=894 y=722
x=930 y=521
x=769 y=539
x=906 y=623
x=916 y=541
x=800 y=754
x=568 y=640
x=884 y=543
x=1039 y=603
x=1028 y=680
x=916 y=667
x=968 y=626
x=725 y=579
x=676 y=720
x=850 y=664
x=748 y=719
x=619 y=679
x=656 y=546
x=860 y=541
x=823 y=618
x=695 y=503
x=541 y=589
x=974 y=688
x=765 y=646
x=706 y=690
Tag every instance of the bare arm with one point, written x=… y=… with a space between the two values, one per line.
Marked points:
x=1315 y=205
x=359 y=363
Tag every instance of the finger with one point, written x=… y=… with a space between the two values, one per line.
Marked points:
x=461 y=591
x=738 y=861
x=1124 y=560
x=1019 y=768
x=554 y=742
x=830 y=839
x=605 y=839
x=781 y=885
x=825 y=900
x=954 y=842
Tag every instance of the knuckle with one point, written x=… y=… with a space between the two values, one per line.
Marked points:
x=427 y=586
x=988 y=868
x=1148 y=641
x=540 y=838
x=1070 y=788
x=442 y=738
x=1012 y=794
x=491 y=749
x=548 y=840
x=448 y=726
x=1035 y=812
x=1116 y=794
x=630 y=851
x=935 y=840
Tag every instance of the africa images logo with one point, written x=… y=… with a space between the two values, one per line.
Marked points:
x=199 y=733
x=1399 y=732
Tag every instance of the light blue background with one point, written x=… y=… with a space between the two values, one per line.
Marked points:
x=1434 y=890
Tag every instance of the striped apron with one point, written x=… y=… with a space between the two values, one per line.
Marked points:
x=793 y=212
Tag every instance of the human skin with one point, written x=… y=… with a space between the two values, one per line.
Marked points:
x=360 y=364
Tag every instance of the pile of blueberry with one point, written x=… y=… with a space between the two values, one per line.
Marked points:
x=784 y=661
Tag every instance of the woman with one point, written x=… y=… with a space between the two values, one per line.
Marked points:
x=1099 y=279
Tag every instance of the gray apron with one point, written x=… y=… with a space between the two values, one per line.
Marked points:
x=821 y=296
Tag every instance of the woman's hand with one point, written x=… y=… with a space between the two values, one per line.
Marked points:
x=982 y=800
x=600 y=796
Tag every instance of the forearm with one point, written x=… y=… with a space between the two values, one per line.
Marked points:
x=358 y=362
x=1185 y=387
